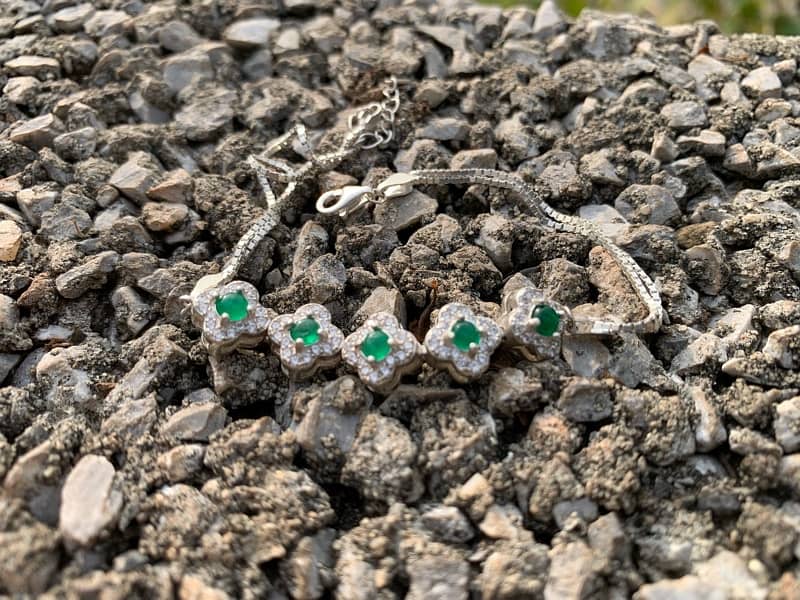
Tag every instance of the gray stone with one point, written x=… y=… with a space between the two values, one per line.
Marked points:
x=664 y=148
x=571 y=575
x=130 y=309
x=607 y=538
x=688 y=587
x=585 y=400
x=106 y=22
x=250 y=33
x=503 y=522
x=437 y=578
x=382 y=299
x=728 y=573
x=549 y=20
x=207 y=117
x=444 y=129
x=186 y=68
x=513 y=392
x=762 y=83
x=132 y=419
x=496 y=237
x=586 y=355
x=36 y=66
x=90 y=275
x=133 y=180
x=164 y=216
x=597 y=167
x=518 y=143
x=196 y=422
x=35 y=201
x=146 y=112
x=21 y=90
x=106 y=219
x=181 y=462
x=771 y=109
x=8 y=361
x=403 y=212
x=309 y=567
x=90 y=500
x=176 y=186
x=329 y=423
x=582 y=508
x=36 y=133
x=787 y=424
x=709 y=432
x=381 y=462
x=71 y=18
x=432 y=92
x=789 y=472
x=325 y=33
x=684 y=115
x=652 y=204
x=481 y=158
x=448 y=524
x=420 y=155
x=783 y=346
x=606 y=217
x=706 y=143
x=76 y=145
x=65 y=222
x=177 y=36
x=10 y=240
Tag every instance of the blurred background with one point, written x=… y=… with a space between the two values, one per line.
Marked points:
x=733 y=16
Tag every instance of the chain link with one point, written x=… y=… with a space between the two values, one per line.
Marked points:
x=643 y=286
x=374 y=134
x=369 y=127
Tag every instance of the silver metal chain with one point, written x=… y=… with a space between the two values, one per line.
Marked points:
x=401 y=184
x=368 y=127
x=372 y=126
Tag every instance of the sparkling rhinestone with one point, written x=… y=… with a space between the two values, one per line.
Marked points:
x=234 y=304
x=307 y=330
x=465 y=334
x=548 y=319
x=376 y=344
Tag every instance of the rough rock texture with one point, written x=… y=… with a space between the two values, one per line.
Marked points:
x=658 y=467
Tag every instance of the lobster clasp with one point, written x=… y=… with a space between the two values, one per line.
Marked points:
x=344 y=201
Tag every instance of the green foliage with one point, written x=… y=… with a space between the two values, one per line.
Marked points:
x=733 y=16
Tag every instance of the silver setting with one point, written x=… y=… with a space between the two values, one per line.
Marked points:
x=299 y=360
x=220 y=334
x=520 y=327
x=462 y=365
x=382 y=376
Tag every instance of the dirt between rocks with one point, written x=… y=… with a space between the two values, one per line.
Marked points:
x=658 y=467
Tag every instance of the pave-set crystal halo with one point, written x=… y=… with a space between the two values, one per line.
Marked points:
x=381 y=351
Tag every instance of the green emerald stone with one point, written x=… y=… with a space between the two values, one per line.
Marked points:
x=307 y=330
x=548 y=319
x=233 y=304
x=464 y=335
x=376 y=345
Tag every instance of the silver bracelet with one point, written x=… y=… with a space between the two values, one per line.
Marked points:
x=381 y=351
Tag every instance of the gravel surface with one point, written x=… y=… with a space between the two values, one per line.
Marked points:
x=658 y=468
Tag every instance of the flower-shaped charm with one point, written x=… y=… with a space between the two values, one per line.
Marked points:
x=381 y=351
x=230 y=317
x=462 y=342
x=535 y=322
x=306 y=341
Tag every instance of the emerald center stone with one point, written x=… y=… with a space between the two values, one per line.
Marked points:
x=548 y=319
x=376 y=345
x=307 y=330
x=465 y=334
x=233 y=304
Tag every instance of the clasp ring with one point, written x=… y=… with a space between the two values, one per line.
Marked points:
x=344 y=201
